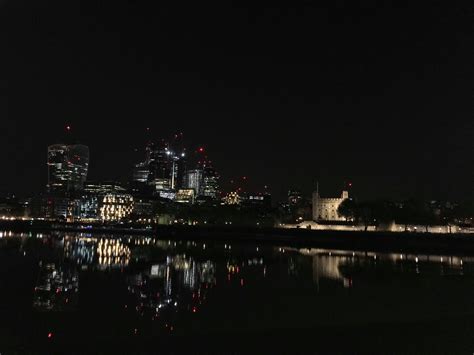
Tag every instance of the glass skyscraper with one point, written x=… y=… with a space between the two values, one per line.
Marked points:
x=204 y=180
x=210 y=185
x=78 y=166
x=57 y=167
x=163 y=168
x=194 y=181
x=67 y=167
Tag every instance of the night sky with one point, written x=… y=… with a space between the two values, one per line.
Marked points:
x=379 y=93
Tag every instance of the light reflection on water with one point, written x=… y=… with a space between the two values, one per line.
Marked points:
x=327 y=263
x=164 y=286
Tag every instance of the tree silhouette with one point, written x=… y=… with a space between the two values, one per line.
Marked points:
x=347 y=209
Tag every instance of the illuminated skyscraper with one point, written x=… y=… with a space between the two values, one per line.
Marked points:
x=163 y=168
x=210 y=184
x=194 y=180
x=160 y=167
x=204 y=180
x=179 y=170
x=67 y=167
x=58 y=175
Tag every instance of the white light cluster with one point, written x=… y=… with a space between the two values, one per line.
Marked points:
x=116 y=207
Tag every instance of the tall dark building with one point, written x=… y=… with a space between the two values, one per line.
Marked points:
x=140 y=173
x=160 y=166
x=78 y=165
x=67 y=167
x=162 y=170
x=179 y=170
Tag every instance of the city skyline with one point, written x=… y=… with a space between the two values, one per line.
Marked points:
x=227 y=184
x=236 y=177
x=312 y=90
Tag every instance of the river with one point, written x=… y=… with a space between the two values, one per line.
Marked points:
x=72 y=290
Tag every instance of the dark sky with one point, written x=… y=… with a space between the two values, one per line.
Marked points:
x=376 y=92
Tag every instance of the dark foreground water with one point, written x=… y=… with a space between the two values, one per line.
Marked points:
x=80 y=293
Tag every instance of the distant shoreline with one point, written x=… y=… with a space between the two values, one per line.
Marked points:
x=404 y=242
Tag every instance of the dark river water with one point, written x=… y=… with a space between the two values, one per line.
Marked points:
x=69 y=292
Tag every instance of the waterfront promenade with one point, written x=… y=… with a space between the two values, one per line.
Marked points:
x=456 y=243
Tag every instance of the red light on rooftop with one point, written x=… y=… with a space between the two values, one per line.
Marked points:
x=200 y=149
x=50 y=335
x=350 y=184
x=68 y=128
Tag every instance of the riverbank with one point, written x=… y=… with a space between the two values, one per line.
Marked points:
x=406 y=242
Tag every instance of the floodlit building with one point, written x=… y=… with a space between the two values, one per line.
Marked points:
x=92 y=197
x=325 y=209
x=116 y=207
x=185 y=196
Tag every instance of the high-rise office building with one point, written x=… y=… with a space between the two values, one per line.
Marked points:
x=160 y=167
x=204 y=180
x=179 y=170
x=163 y=168
x=78 y=166
x=140 y=173
x=210 y=184
x=194 y=180
x=58 y=174
x=67 y=167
